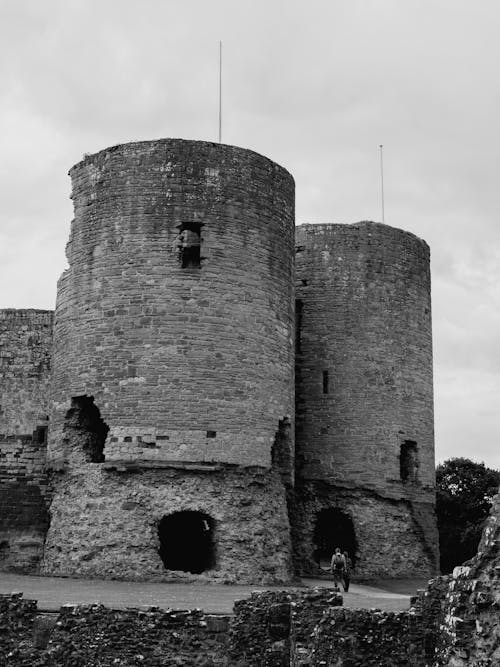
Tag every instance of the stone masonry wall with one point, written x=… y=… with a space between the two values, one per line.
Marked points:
x=25 y=349
x=271 y=627
x=168 y=362
x=355 y=637
x=364 y=394
x=469 y=633
x=25 y=346
x=366 y=320
x=94 y=635
x=405 y=554
x=104 y=523
x=184 y=363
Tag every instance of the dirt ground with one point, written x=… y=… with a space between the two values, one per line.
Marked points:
x=53 y=592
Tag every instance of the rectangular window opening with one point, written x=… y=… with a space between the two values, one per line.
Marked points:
x=211 y=434
x=40 y=435
x=325 y=382
x=408 y=462
x=190 y=245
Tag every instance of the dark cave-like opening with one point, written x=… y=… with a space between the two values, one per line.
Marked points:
x=333 y=528
x=187 y=542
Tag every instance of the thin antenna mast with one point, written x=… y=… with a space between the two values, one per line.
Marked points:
x=382 y=179
x=220 y=92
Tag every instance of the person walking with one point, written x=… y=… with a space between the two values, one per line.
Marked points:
x=337 y=567
x=346 y=579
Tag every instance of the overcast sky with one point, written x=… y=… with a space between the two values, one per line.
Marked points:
x=315 y=86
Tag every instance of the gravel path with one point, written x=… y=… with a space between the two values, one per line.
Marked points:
x=52 y=592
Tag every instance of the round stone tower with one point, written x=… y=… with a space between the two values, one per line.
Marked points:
x=173 y=367
x=364 y=439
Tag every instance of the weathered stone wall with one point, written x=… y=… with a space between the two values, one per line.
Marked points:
x=271 y=627
x=94 y=635
x=355 y=637
x=16 y=623
x=184 y=364
x=406 y=553
x=25 y=346
x=364 y=383
x=173 y=344
x=105 y=523
x=454 y=623
x=469 y=633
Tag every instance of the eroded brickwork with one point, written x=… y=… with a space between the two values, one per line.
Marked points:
x=364 y=391
x=25 y=348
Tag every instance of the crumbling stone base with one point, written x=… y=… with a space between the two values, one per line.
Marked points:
x=270 y=627
x=469 y=632
x=353 y=637
x=391 y=536
x=104 y=523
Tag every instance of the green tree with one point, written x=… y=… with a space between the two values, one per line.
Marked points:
x=464 y=493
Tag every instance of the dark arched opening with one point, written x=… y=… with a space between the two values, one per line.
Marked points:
x=187 y=542
x=333 y=528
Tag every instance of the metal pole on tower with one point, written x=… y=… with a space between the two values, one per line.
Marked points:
x=382 y=178
x=220 y=92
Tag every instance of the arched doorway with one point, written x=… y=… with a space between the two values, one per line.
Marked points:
x=186 y=541
x=333 y=528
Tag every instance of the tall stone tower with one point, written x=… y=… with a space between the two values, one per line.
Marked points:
x=171 y=425
x=364 y=439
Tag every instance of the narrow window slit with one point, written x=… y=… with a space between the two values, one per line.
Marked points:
x=299 y=307
x=325 y=382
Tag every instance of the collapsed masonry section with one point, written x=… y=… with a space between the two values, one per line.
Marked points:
x=84 y=433
x=167 y=524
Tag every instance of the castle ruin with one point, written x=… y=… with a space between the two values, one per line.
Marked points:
x=220 y=395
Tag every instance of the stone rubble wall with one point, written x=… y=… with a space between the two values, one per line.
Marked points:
x=453 y=623
x=355 y=637
x=270 y=627
x=469 y=632
x=25 y=349
x=16 y=626
x=389 y=542
x=104 y=523
x=87 y=635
